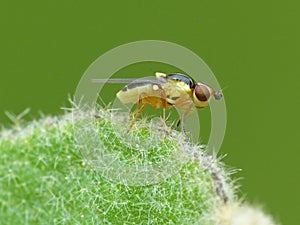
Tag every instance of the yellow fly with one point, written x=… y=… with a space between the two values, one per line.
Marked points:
x=165 y=91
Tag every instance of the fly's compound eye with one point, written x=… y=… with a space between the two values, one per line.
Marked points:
x=202 y=92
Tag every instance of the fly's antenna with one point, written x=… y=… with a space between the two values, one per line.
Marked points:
x=219 y=94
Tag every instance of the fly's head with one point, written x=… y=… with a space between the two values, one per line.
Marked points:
x=202 y=94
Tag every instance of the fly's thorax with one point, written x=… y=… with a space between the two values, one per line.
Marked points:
x=177 y=92
x=178 y=78
x=177 y=86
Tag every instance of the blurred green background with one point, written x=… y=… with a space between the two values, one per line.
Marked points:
x=252 y=47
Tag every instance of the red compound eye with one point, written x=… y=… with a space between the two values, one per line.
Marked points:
x=202 y=92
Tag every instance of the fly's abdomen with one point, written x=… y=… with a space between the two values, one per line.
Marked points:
x=132 y=92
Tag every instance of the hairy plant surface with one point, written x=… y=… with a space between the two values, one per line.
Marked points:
x=89 y=169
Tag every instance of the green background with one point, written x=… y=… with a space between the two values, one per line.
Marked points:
x=252 y=47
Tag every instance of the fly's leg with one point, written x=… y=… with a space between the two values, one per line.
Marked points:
x=164 y=115
x=177 y=124
x=136 y=114
x=157 y=99
x=183 y=123
x=141 y=105
x=186 y=105
x=164 y=104
x=186 y=114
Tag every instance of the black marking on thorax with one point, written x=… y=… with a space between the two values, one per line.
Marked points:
x=183 y=78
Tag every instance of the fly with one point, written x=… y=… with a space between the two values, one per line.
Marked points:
x=166 y=91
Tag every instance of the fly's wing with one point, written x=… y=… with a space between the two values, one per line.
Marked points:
x=121 y=80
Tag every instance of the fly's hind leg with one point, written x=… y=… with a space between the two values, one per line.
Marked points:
x=143 y=99
x=154 y=101
x=157 y=99
x=136 y=114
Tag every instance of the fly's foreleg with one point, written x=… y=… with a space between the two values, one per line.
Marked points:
x=186 y=114
x=186 y=106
